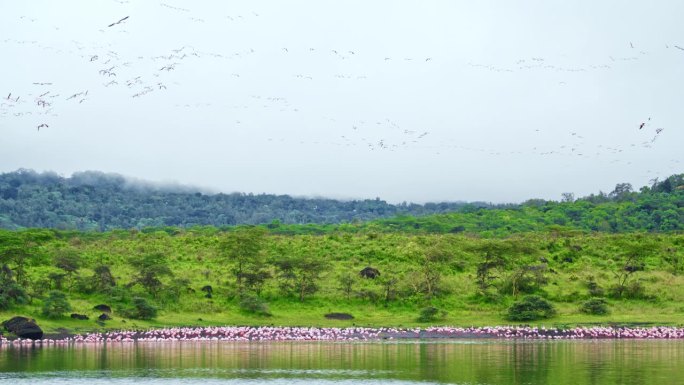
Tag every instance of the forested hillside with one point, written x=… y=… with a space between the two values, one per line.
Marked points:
x=97 y=201
x=614 y=257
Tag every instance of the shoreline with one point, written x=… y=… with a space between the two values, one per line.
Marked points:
x=270 y=333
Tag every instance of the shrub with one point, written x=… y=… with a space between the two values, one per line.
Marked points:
x=11 y=294
x=252 y=304
x=596 y=306
x=631 y=290
x=56 y=304
x=594 y=289
x=430 y=314
x=530 y=308
x=635 y=290
x=487 y=296
x=141 y=309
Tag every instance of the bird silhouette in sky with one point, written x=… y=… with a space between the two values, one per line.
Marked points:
x=118 y=22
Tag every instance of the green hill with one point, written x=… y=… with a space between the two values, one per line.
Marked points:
x=299 y=278
x=625 y=248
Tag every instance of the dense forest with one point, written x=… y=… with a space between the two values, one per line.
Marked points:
x=97 y=201
x=90 y=201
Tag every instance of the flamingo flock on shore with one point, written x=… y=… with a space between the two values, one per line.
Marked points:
x=246 y=333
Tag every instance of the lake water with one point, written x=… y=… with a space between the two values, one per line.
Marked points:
x=485 y=361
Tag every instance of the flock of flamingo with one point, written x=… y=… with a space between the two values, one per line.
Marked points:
x=272 y=333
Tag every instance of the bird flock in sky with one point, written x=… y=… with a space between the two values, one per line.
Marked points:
x=144 y=76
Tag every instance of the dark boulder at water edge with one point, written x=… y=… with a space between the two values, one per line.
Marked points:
x=104 y=308
x=104 y=317
x=23 y=327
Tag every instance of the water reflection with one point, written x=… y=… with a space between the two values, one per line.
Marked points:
x=463 y=362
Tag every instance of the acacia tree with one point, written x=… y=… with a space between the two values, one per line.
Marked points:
x=487 y=270
x=527 y=279
x=629 y=262
x=244 y=248
x=495 y=255
x=69 y=263
x=17 y=249
x=434 y=260
x=389 y=283
x=102 y=280
x=149 y=269
x=299 y=276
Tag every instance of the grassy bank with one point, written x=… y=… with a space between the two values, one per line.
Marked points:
x=322 y=276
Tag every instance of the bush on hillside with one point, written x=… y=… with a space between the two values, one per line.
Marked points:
x=595 y=306
x=252 y=304
x=141 y=309
x=56 y=304
x=430 y=314
x=530 y=308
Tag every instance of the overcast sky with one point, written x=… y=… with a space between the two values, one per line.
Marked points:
x=416 y=101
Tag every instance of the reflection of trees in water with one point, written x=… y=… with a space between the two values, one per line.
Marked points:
x=484 y=361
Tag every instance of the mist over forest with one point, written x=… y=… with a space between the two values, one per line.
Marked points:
x=93 y=200
x=97 y=201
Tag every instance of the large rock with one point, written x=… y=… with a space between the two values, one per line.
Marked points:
x=23 y=327
x=104 y=308
x=79 y=316
x=369 y=272
x=209 y=290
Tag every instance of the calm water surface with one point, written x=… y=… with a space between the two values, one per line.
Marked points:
x=414 y=362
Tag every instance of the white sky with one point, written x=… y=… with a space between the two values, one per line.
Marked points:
x=403 y=100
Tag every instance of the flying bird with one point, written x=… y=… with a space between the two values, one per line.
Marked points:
x=642 y=125
x=118 y=22
x=42 y=125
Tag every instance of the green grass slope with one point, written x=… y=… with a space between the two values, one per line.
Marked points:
x=300 y=278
